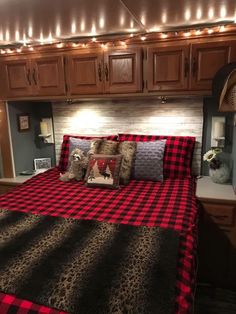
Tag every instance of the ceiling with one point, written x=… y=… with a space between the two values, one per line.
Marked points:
x=47 y=20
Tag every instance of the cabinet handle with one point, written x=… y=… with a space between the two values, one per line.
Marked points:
x=99 y=72
x=28 y=76
x=186 y=67
x=194 y=66
x=219 y=217
x=34 y=77
x=106 y=71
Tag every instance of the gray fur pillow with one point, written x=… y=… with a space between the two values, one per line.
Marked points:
x=148 y=164
x=108 y=147
x=87 y=146
x=127 y=149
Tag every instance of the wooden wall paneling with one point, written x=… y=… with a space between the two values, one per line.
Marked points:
x=143 y=116
x=5 y=143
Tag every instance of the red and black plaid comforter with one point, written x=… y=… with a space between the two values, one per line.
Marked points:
x=170 y=204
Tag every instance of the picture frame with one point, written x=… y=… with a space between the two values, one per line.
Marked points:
x=42 y=164
x=23 y=121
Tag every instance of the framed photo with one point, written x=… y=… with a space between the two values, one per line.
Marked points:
x=42 y=164
x=23 y=122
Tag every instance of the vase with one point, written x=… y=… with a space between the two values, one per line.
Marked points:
x=220 y=175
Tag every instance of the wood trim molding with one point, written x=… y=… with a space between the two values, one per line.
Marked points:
x=5 y=143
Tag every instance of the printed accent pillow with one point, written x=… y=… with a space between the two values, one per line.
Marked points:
x=103 y=171
x=64 y=156
x=148 y=164
x=178 y=152
x=127 y=149
x=108 y=147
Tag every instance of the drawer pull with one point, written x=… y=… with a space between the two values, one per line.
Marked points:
x=219 y=217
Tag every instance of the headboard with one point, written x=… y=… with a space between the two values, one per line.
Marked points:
x=178 y=116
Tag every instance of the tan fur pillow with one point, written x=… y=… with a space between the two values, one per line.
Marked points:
x=108 y=147
x=127 y=149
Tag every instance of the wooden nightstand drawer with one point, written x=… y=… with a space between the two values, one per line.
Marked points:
x=221 y=214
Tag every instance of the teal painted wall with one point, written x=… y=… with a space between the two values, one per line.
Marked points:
x=27 y=145
x=210 y=110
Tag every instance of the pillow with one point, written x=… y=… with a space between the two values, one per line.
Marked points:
x=85 y=145
x=127 y=149
x=108 y=147
x=103 y=171
x=64 y=156
x=178 y=152
x=148 y=164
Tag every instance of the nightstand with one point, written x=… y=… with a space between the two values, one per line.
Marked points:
x=6 y=184
x=217 y=233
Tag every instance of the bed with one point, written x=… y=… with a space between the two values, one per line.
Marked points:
x=169 y=205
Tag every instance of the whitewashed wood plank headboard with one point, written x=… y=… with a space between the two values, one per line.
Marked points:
x=178 y=116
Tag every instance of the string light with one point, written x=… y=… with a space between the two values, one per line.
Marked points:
x=60 y=45
x=164 y=35
x=122 y=42
x=222 y=28
x=187 y=34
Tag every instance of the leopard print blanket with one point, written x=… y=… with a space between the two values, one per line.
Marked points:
x=88 y=266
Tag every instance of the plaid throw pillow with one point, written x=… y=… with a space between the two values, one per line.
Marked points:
x=64 y=156
x=178 y=152
x=103 y=171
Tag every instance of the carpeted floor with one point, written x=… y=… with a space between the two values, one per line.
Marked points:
x=210 y=300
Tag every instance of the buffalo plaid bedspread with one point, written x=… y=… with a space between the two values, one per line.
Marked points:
x=171 y=204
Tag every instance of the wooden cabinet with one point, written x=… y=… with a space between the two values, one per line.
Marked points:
x=47 y=76
x=207 y=59
x=15 y=78
x=123 y=71
x=217 y=235
x=84 y=73
x=168 y=68
x=114 y=71
x=34 y=76
x=189 y=67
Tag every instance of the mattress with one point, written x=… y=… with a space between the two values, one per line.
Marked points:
x=170 y=204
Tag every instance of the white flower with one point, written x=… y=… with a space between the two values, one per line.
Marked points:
x=208 y=156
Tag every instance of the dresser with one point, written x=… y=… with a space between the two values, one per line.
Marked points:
x=217 y=233
x=7 y=184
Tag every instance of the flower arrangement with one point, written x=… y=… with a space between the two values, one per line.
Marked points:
x=211 y=158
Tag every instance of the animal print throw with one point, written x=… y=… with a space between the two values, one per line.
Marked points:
x=88 y=267
x=103 y=171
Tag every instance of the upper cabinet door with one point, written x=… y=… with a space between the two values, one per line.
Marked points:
x=207 y=59
x=167 y=68
x=122 y=71
x=16 y=79
x=85 y=74
x=47 y=76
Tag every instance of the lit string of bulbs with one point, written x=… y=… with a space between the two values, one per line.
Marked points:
x=122 y=41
